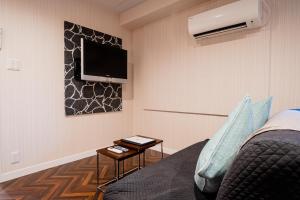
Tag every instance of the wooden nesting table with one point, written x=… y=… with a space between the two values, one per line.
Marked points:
x=141 y=149
x=133 y=150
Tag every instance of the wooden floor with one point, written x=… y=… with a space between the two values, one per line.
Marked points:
x=76 y=180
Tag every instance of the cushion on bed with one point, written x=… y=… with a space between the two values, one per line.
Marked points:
x=261 y=111
x=219 y=152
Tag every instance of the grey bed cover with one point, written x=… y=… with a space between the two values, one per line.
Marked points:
x=266 y=168
x=170 y=179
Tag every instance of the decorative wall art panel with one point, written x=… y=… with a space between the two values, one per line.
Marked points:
x=85 y=97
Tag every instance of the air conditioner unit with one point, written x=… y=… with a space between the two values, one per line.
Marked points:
x=239 y=15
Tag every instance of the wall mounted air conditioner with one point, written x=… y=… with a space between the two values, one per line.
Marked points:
x=239 y=15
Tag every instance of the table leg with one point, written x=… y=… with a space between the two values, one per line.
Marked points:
x=118 y=176
x=144 y=159
x=161 y=149
x=115 y=169
x=97 y=169
x=139 y=161
x=123 y=168
x=96 y=195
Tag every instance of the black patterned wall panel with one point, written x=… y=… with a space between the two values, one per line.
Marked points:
x=85 y=97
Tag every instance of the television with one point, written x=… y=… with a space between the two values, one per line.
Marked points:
x=102 y=63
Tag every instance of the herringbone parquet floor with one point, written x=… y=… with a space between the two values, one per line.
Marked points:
x=72 y=181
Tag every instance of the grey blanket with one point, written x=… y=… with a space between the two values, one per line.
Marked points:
x=170 y=179
x=266 y=168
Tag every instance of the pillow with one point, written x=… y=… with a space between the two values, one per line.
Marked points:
x=220 y=150
x=261 y=111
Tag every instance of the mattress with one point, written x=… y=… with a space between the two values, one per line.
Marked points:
x=169 y=179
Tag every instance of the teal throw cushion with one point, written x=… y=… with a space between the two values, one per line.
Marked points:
x=220 y=150
x=261 y=111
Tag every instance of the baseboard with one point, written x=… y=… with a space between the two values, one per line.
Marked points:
x=46 y=165
x=53 y=163
x=165 y=149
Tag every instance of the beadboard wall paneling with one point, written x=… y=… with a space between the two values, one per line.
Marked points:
x=178 y=130
x=1 y=88
x=32 y=120
x=285 y=48
x=179 y=74
x=173 y=72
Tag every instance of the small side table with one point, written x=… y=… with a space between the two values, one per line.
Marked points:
x=117 y=157
x=133 y=150
x=142 y=148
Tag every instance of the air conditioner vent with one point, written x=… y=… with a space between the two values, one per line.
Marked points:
x=221 y=30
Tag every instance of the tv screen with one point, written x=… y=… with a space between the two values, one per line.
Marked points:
x=102 y=62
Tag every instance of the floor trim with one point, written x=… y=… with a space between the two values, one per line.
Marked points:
x=53 y=163
x=166 y=150
x=45 y=165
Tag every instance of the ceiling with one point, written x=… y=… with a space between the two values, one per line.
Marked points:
x=120 y=5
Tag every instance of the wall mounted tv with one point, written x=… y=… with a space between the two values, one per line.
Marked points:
x=102 y=62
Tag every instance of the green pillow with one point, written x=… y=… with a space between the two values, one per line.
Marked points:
x=220 y=150
x=218 y=154
x=261 y=111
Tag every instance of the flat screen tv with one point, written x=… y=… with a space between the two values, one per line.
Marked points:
x=102 y=62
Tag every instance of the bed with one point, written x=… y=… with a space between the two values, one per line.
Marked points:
x=267 y=167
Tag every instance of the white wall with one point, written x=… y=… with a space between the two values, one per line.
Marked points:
x=32 y=118
x=173 y=72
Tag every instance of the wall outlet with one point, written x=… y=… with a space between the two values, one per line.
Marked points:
x=14 y=64
x=15 y=157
